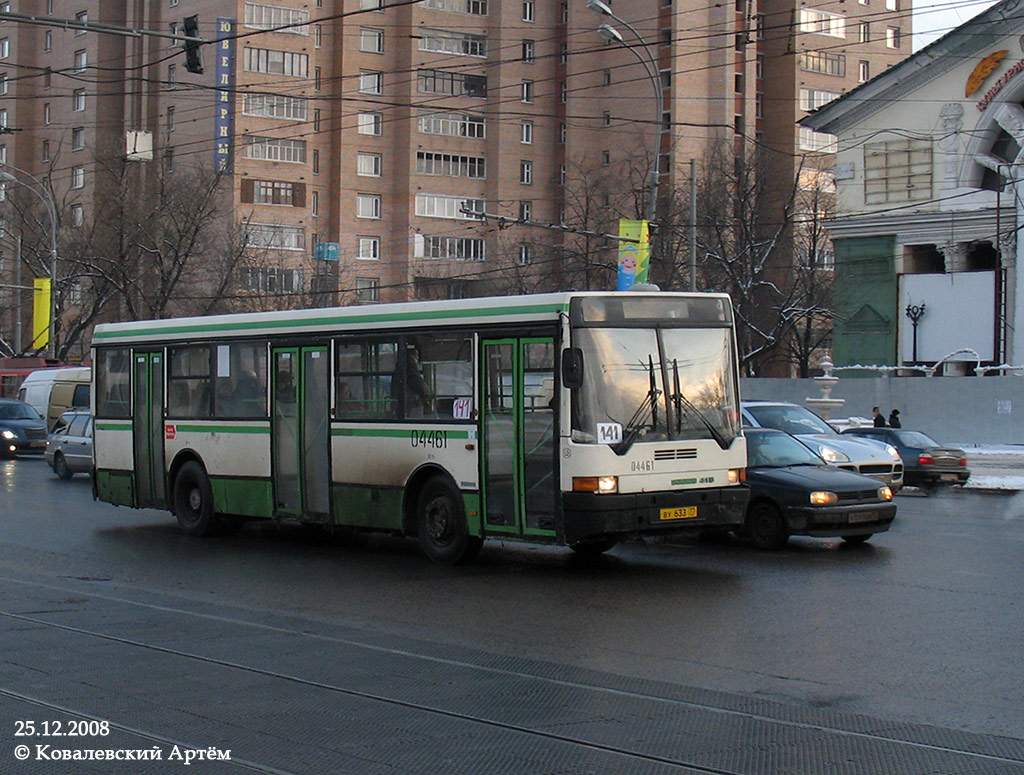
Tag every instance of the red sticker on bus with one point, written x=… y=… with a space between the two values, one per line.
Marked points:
x=169 y=431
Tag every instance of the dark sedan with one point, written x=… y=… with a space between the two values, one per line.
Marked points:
x=22 y=429
x=926 y=463
x=794 y=492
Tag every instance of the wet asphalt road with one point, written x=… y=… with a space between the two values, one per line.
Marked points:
x=112 y=614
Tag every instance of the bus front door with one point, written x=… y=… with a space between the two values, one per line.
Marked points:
x=301 y=434
x=148 y=430
x=519 y=433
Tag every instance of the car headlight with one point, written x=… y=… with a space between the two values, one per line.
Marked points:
x=893 y=453
x=885 y=493
x=824 y=498
x=8 y=434
x=832 y=455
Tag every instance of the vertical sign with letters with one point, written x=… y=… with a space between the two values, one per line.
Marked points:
x=224 y=117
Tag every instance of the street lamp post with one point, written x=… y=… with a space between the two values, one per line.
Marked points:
x=650 y=65
x=51 y=210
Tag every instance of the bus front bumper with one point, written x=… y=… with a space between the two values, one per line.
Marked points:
x=589 y=515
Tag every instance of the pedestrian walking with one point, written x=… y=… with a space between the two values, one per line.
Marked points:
x=894 y=419
x=879 y=419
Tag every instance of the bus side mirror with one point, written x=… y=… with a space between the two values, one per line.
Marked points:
x=572 y=368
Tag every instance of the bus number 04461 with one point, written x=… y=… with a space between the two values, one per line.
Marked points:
x=435 y=439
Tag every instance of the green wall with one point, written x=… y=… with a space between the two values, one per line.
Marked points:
x=866 y=297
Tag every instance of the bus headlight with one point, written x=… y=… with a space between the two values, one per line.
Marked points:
x=737 y=475
x=824 y=498
x=602 y=485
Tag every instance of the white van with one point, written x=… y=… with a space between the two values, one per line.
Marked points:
x=51 y=392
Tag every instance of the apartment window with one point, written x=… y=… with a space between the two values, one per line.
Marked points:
x=897 y=171
x=275 y=149
x=48 y=40
x=5 y=48
x=316 y=162
x=78 y=138
x=451 y=124
x=316 y=119
x=46 y=115
x=606 y=158
x=314 y=208
x=4 y=85
x=46 y=151
x=367 y=5
x=565 y=13
x=606 y=78
x=274 y=106
x=273 y=62
x=450 y=165
x=368 y=164
x=275 y=237
x=526 y=92
x=453 y=83
x=271 y=192
x=265 y=17
x=447 y=206
x=525 y=255
x=529 y=55
x=451 y=42
x=77 y=215
x=864 y=71
x=172 y=77
x=371 y=40
x=525 y=210
x=170 y=118
x=823 y=62
x=472 y=7
x=318 y=79
x=864 y=32
x=268 y=279
x=526 y=173
x=318 y=36
x=562 y=174
x=367 y=290
x=528 y=11
x=822 y=23
x=369 y=248
x=526 y=132
x=606 y=119
x=563 y=92
x=371 y=82
x=78 y=177
x=81 y=17
x=563 y=56
x=892 y=5
x=81 y=60
x=460 y=248
x=367 y=206
x=759 y=105
x=370 y=123
x=812 y=99
x=563 y=133
x=892 y=37
x=820 y=142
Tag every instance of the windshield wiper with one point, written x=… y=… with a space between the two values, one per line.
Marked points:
x=646 y=415
x=680 y=401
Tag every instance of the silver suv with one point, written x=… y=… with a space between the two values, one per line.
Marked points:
x=865 y=456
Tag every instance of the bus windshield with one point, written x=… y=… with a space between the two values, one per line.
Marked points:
x=655 y=384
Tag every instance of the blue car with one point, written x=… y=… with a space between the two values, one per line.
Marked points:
x=22 y=429
x=926 y=463
x=794 y=492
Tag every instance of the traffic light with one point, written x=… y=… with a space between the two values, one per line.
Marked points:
x=193 y=56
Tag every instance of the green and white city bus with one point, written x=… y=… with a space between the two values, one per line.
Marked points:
x=571 y=418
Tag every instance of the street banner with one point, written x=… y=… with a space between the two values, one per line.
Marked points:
x=41 y=312
x=634 y=256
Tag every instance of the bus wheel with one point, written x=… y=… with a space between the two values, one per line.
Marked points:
x=441 y=522
x=193 y=500
x=592 y=547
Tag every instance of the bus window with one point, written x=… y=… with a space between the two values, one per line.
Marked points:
x=188 y=383
x=446 y=364
x=241 y=380
x=113 y=382
x=365 y=370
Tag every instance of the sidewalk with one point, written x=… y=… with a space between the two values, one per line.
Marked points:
x=995 y=468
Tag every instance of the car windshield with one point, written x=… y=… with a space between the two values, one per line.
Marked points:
x=775 y=450
x=652 y=384
x=791 y=419
x=18 y=412
x=915 y=439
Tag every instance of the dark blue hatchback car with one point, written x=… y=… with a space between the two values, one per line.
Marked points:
x=794 y=492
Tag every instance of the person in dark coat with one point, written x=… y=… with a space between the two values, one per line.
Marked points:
x=879 y=419
x=894 y=419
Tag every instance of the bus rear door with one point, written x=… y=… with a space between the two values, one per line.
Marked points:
x=148 y=430
x=301 y=433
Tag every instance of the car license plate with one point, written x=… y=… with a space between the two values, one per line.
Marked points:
x=37 y=445
x=864 y=516
x=949 y=477
x=681 y=512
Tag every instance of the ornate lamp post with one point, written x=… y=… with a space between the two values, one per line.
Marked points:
x=915 y=313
